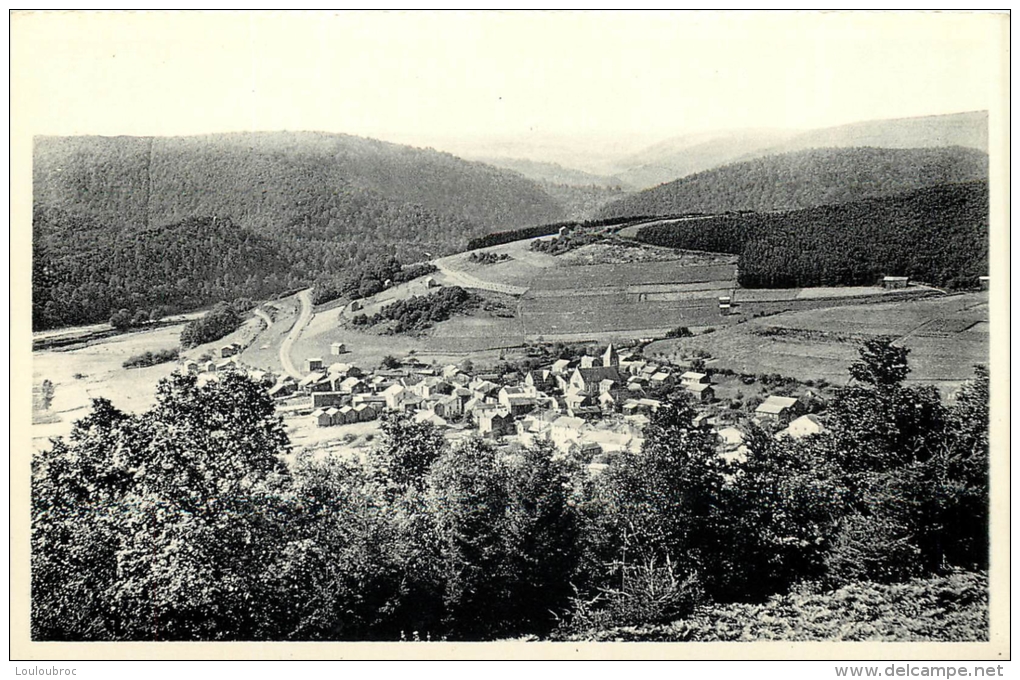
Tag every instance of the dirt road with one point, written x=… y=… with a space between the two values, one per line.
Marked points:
x=304 y=317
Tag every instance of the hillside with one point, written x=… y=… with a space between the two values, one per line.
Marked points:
x=678 y=157
x=938 y=235
x=969 y=130
x=318 y=201
x=553 y=173
x=804 y=179
x=84 y=271
x=687 y=154
x=262 y=180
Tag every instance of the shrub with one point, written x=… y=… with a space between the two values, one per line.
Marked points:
x=147 y=359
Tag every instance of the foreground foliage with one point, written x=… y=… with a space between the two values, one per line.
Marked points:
x=952 y=608
x=184 y=523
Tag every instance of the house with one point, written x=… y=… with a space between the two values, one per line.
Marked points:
x=694 y=378
x=892 y=282
x=779 y=409
x=984 y=282
x=357 y=305
x=430 y=282
x=314 y=364
x=484 y=388
x=353 y=386
x=561 y=366
x=516 y=401
x=702 y=392
x=226 y=365
x=229 y=350
x=607 y=402
x=611 y=357
x=662 y=380
x=805 y=426
x=394 y=395
x=540 y=381
x=321 y=419
x=587 y=361
x=608 y=440
x=495 y=422
x=337 y=348
x=411 y=402
x=191 y=367
x=282 y=389
x=342 y=370
x=633 y=407
x=448 y=406
x=450 y=370
x=365 y=412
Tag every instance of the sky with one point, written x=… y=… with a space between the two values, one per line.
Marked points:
x=424 y=78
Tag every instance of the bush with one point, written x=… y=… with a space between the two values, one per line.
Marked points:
x=222 y=320
x=151 y=358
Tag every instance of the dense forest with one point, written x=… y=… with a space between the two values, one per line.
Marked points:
x=185 y=523
x=82 y=271
x=805 y=179
x=938 y=235
x=304 y=207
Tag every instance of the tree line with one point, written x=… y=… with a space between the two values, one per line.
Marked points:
x=937 y=235
x=184 y=523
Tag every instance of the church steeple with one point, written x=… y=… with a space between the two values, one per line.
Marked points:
x=611 y=357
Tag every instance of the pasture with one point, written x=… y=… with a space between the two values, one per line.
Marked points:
x=946 y=336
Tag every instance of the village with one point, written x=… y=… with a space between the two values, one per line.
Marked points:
x=594 y=407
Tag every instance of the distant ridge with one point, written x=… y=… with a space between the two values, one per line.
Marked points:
x=681 y=156
x=804 y=179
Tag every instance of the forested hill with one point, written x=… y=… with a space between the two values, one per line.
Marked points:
x=266 y=180
x=938 y=235
x=106 y=207
x=805 y=179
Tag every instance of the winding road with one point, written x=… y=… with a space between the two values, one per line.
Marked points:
x=304 y=317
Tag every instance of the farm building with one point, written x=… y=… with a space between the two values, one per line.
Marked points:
x=775 y=408
x=321 y=418
x=892 y=282
x=694 y=378
x=229 y=350
x=337 y=348
x=357 y=305
x=563 y=232
x=984 y=282
x=702 y=392
x=282 y=389
x=314 y=364
x=191 y=367
x=430 y=282
x=366 y=412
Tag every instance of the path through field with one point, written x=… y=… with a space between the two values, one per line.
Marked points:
x=468 y=281
x=305 y=297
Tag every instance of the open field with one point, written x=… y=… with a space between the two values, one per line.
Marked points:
x=946 y=336
x=101 y=374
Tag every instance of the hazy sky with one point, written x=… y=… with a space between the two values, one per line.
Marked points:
x=423 y=77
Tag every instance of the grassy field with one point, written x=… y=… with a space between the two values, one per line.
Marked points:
x=946 y=336
x=84 y=373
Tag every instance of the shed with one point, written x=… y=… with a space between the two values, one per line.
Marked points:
x=891 y=282
x=337 y=348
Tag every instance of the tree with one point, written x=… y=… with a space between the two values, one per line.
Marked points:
x=121 y=319
x=881 y=364
x=389 y=361
x=165 y=524
x=408 y=449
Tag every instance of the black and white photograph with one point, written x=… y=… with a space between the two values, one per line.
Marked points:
x=549 y=330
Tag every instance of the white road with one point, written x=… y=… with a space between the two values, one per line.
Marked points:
x=304 y=317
